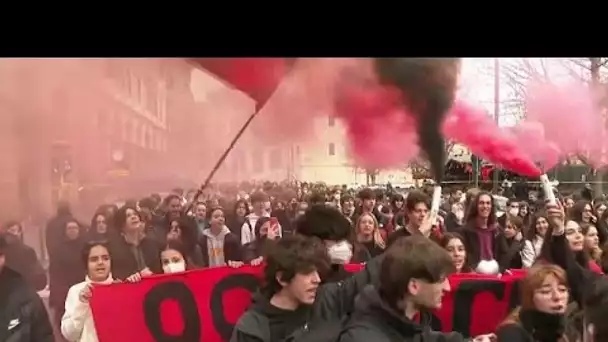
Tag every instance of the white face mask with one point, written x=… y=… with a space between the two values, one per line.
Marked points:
x=174 y=267
x=340 y=253
x=514 y=211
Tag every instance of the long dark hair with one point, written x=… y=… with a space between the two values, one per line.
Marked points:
x=86 y=251
x=531 y=233
x=473 y=209
x=582 y=257
x=445 y=240
x=576 y=212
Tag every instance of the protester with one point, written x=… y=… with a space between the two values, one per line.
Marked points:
x=591 y=242
x=65 y=268
x=576 y=245
x=23 y=317
x=453 y=243
x=541 y=315
x=329 y=225
x=512 y=238
x=21 y=258
x=237 y=219
x=55 y=228
x=99 y=229
x=582 y=212
x=369 y=234
x=534 y=239
x=480 y=232
x=347 y=205
x=174 y=259
x=295 y=304
x=417 y=205
x=258 y=210
x=219 y=246
x=183 y=230
x=134 y=255
x=253 y=252
x=200 y=217
x=413 y=279
x=77 y=324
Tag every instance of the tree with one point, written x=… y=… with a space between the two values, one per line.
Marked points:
x=519 y=72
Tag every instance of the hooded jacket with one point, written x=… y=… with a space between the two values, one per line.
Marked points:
x=375 y=320
x=225 y=240
x=23 y=317
x=334 y=301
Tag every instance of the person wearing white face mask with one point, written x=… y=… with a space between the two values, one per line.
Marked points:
x=173 y=259
x=329 y=225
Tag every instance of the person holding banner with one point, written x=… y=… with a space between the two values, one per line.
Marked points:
x=174 y=258
x=219 y=246
x=300 y=301
x=77 y=323
x=134 y=254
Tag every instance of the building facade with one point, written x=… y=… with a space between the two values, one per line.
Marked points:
x=92 y=130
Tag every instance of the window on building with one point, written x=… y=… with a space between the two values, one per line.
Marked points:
x=332 y=149
x=331 y=121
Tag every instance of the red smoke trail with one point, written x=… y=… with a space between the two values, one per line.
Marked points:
x=569 y=118
x=475 y=129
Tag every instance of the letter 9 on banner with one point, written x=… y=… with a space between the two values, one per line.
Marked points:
x=204 y=305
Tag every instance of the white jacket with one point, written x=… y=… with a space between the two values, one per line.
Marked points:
x=77 y=323
x=531 y=251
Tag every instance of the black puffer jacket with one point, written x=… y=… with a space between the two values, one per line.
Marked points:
x=374 y=320
x=23 y=317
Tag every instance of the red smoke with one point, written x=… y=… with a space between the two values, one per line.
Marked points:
x=530 y=137
x=569 y=118
x=380 y=131
x=475 y=129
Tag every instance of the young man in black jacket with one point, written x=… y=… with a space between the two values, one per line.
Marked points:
x=413 y=279
x=294 y=305
x=23 y=317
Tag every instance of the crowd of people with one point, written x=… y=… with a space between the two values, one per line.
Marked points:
x=304 y=234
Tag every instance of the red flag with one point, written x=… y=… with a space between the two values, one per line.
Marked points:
x=257 y=77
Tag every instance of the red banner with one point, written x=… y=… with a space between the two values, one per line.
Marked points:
x=204 y=305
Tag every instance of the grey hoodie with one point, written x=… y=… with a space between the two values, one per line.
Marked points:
x=215 y=246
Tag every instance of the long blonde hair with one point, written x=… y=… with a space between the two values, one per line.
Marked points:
x=378 y=240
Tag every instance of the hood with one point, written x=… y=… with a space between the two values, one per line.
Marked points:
x=371 y=304
x=207 y=232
